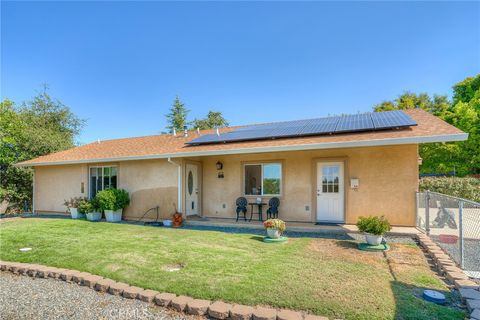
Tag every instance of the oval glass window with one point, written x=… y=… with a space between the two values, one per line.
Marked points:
x=190 y=183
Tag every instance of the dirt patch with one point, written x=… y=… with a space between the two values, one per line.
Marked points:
x=174 y=267
x=344 y=250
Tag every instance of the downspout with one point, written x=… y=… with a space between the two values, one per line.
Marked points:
x=33 y=192
x=179 y=183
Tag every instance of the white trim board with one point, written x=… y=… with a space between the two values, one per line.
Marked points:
x=297 y=147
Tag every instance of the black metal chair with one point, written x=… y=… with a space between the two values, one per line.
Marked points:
x=242 y=207
x=272 y=211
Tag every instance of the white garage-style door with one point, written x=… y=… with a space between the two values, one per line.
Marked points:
x=330 y=192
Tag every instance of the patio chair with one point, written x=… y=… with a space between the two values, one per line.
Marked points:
x=242 y=207
x=272 y=211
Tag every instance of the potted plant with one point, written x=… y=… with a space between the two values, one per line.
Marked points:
x=275 y=228
x=113 y=201
x=90 y=209
x=374 y=228
x=72 y=206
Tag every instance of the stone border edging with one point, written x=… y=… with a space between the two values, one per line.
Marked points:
x=469 y=290
x=214 y=309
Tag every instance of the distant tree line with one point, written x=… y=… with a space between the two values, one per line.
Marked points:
x=463 y=111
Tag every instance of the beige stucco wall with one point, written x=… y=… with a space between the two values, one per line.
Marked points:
x=149 y=182
x=54 y=184
x=388 y=181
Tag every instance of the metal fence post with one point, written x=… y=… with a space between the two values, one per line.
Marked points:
x=427 y=212
x=460 y=230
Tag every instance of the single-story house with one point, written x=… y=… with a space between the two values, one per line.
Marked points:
x=331 y=169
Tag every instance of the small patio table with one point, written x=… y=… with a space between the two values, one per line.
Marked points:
x=259 y=205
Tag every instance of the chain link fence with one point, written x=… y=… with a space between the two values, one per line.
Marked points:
x=454 y=224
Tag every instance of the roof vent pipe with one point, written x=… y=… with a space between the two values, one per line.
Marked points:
x=198 y=131
x=174 y=132
x=185 y=131
x=217 y=131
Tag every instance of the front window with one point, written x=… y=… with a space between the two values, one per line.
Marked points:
x=102 y=178
x=263 y=179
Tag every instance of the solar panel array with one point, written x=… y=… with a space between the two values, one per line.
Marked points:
x=320 y=126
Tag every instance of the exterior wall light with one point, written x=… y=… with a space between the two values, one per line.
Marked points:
x=219 y=165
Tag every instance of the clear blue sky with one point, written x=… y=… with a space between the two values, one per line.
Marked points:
x=120 y=64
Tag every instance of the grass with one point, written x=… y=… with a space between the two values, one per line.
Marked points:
x=325 y=277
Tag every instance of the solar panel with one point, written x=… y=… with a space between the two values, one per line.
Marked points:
x=354 y=123
x=391 y=119
x=319 y=126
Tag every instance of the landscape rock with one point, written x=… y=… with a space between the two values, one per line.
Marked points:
x=103 y=285
x=68 y=274
x=241 y=312
x=131 y=292
x=261 y=313
x=289 y=315
x=91 y=281
x=466 y=284
x=469 y=294
x=147 y=295
x=78 y=277
x=180 y=303
x=164 y=299
x=219 y=310
x=475 y=314
x=198 y=307
x=473 y=304
x=117 y=288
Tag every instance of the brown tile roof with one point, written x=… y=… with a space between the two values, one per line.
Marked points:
x=161 y=146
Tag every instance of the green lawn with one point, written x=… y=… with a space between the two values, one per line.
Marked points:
x=326 y=277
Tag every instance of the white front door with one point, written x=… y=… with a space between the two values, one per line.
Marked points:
x=330 y=192
x=191 y=189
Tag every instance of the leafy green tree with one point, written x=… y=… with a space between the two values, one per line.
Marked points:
x=177 y=117
x=463 y=112
x=437 y=105
x=214 y=120
x=36 y=128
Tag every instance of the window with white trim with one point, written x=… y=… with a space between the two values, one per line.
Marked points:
x=263 y=179
x=102 y=178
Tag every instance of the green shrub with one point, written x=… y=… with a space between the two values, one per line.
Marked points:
x=73 y=202
x=467 y=188
x=85 y=206
x=373 y=225
x=113 y=199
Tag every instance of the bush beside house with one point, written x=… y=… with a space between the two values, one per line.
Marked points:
x=467 y=188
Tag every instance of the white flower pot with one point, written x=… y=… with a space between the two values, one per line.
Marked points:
x=373 y=240
x=273 y=233
x=75 y=214
x=113 y=216
x=94 y=216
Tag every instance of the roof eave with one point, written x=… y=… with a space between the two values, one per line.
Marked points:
x=298 y=147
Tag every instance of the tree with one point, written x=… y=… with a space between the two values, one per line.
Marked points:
x=214 y=120
x=437 y=106
x=177 y=118
x=36 y=128
x=463 y=112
